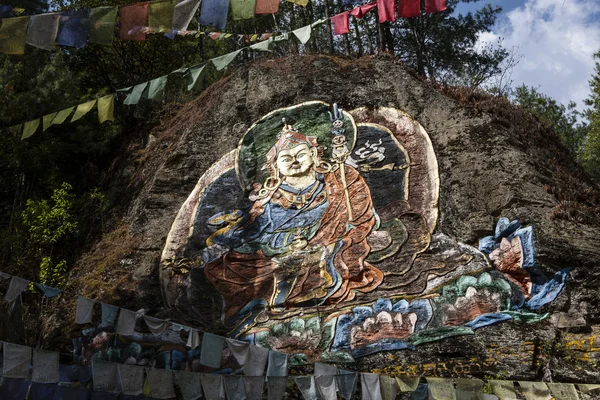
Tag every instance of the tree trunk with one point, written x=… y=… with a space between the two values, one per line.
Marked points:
x=329 y=28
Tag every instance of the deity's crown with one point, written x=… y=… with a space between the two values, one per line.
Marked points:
x=288 y=139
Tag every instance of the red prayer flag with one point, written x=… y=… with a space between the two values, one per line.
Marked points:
x=341 y=26
x=386 y=10
x=360 y=12
x=409 y=8
x=432 y=6
x=133 y=21
x=266 y=6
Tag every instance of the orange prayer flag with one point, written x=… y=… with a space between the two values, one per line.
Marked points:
x=133 y=21
x=266 y=6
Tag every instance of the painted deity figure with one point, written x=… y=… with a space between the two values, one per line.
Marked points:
x=303 y=241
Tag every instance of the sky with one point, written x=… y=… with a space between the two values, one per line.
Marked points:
x=557 y=40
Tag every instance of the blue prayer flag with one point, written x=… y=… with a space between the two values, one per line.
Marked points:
x=214 y=13
x=5 y=11
x=73 y=28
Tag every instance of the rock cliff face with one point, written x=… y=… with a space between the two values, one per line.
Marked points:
x=492 y=161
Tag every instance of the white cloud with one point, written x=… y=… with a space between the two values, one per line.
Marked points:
x=557 y=39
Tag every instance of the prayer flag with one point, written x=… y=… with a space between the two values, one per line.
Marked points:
x=360 y=12
x=370 y=386
x=17 y=285
x=15 y=129
x=256 y=361
x=265 y=45
x=276 y=387
x=211 y=350
x=131 y=378
x=253 y=386
x=214 y=35
x=341 y=25
x=535 y=390
x=386 y=10
x=104 y=375
x=277 y=365
x=14 y=389
x=156 y=326
x=47 y=121
x=505 y=390
x=193 y=339
x=156 y=88
x=266 y=6
x=84 y=311
x=133 y=20
x=109 y=314
x=433 y=6
x=47 y=290
x=45 y=366
x=183 y=13
x=389 y=387
x=346 y=383
x=234 y=387
x=136 y=94
x=126 y=322
x=563 y=391
x=102 y=25
x=302 y=3
x=13 y=32
x=303 y=34
x=242 y=9
x=306 y=385
x=160 y=14
x=161 y=383
x=194 y=77
x=16 y=361
x=441 y=388
x=239 y=350
x=106 y=108
x=214 y=13
x=62 y=115
x=326 y=387
x=29 y=129
x=83 y=109
x=42 y=30
x=73 y=28
x=189 y=384
x=212 y=386
x=223 y=61
x=409 y=8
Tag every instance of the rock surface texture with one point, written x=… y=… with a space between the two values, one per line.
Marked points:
x=493 y=161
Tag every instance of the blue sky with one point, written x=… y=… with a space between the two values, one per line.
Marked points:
x=556 y=38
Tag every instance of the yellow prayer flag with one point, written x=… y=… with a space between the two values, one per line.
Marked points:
x=160 y=14
x=106 y=108
x=47 y=121
x=302 y=3
x=12 y=35
x=18 y=11
x=29 y=128
x=228 y=35
x=83 y=109
x=62 y=116
x=15 y=129
x=253 y=37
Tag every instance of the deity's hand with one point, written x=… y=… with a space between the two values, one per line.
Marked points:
x=225 y=221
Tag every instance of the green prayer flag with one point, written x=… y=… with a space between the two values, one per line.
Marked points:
x=13 y=32
x=180 y=71
x=407 y=383
x=587 y=388
x=441 y=388
x=29 y=128
x=535 y=390
x=194 y=77
x=160 y=14
x=303 y=34
x=15 y=129
x=265 y=45
x=563 y=391
x=242 y=9
x=106 y=108
x=505 y=390
x=83 y=109
x=47 y=121
x=136 y=94
x=223 y=61
x=102 y=25
x=156 y=88
x=62 y=115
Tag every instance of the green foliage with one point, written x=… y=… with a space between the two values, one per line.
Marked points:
x=563 y=120
x=53 y=275
x=49 y=223
x=591 y=149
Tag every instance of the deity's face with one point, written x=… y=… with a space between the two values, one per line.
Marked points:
x=297 y=161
